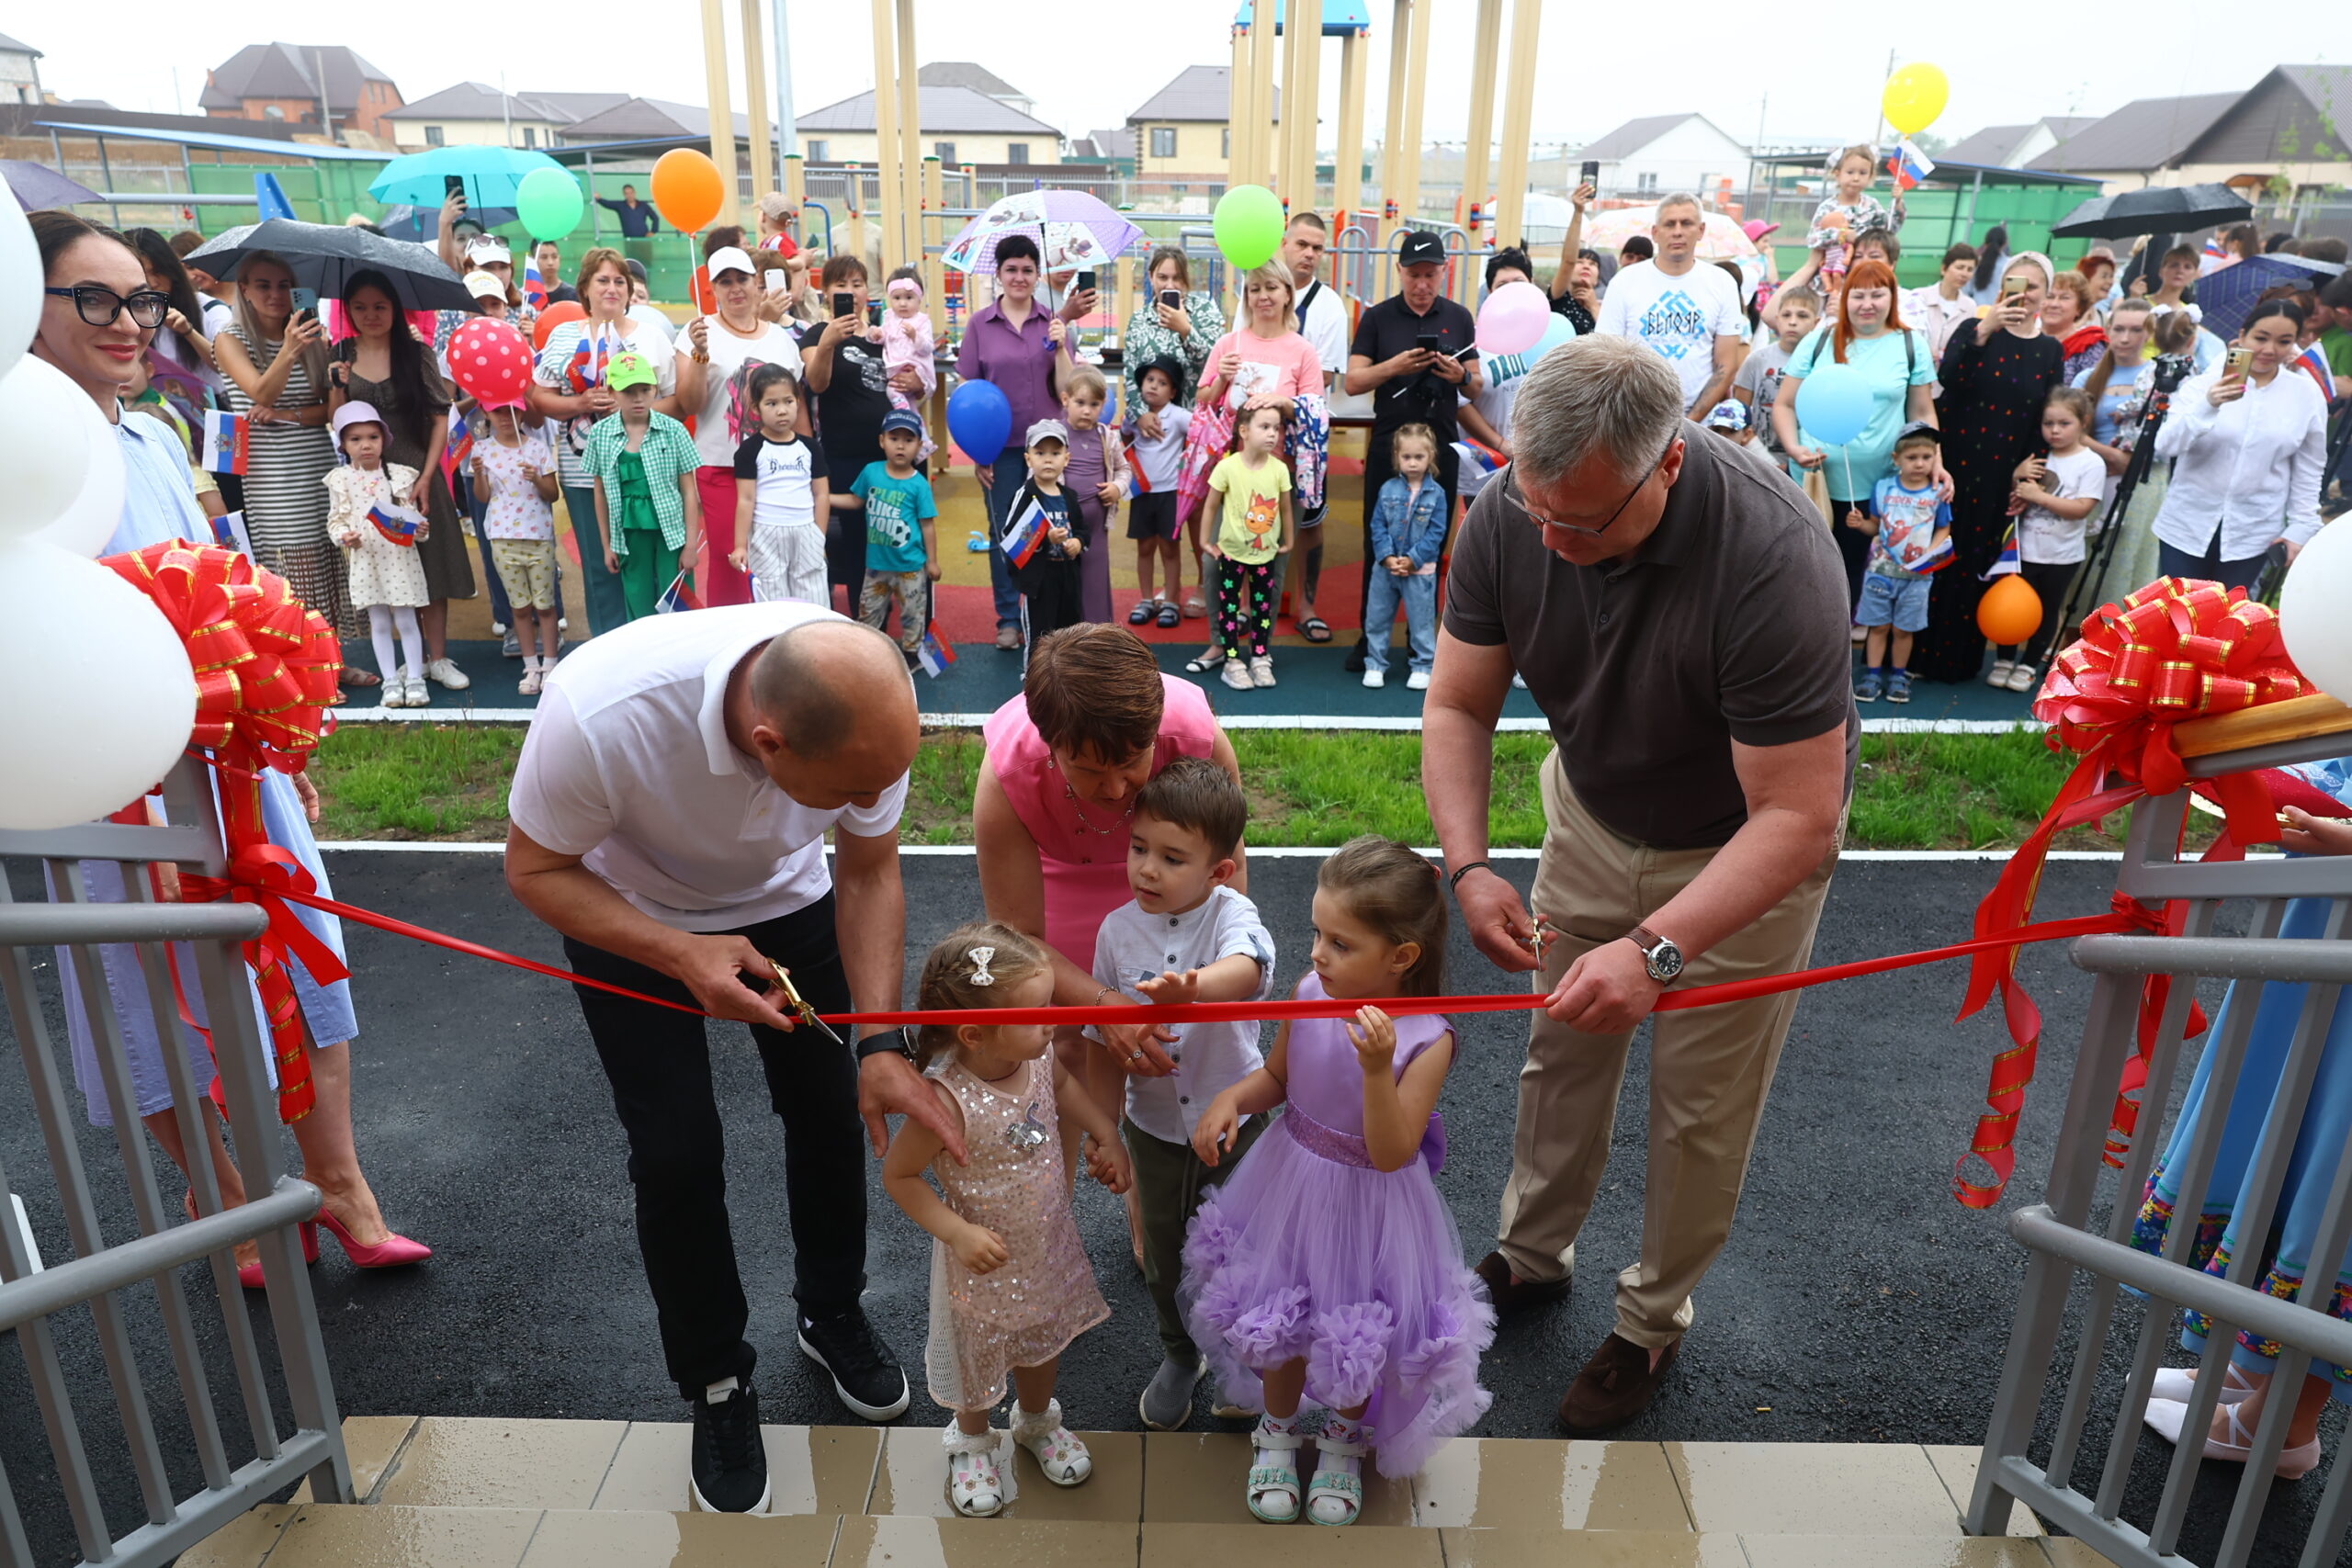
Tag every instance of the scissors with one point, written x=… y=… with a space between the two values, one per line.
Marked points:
x=799 y=1006
x=1546 y=935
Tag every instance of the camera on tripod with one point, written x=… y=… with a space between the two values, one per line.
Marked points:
x=2171 y=370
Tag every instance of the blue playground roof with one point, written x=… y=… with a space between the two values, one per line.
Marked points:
x=1341 y=17
x=221 y=143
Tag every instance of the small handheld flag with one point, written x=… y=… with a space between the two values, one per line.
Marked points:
x=229 y=533
x=679 y=595
x=458 y=450
x=2312 y=363
x=936 y=653
x=1909 y=165
x=2009 y=560
x=397 y=523
x=225 y=441
x=1025 y=532
x=1476 y=463
x=535 y=286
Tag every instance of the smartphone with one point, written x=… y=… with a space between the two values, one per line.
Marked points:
x=1427 y=343
x=775 y=278
x=2240 y=359
x=455 y=185
x=2011 y=286
x=1589 y=173
x=306 y=299
x=874 y=313
x=844 y=302
x=1085 y=281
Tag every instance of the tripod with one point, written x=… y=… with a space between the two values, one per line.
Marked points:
x=2168 y=372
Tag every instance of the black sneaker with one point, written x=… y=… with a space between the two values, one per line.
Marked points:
x=730 y=1461
x=865 y=1375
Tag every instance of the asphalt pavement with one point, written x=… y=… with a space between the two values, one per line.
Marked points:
x=1856 y=1302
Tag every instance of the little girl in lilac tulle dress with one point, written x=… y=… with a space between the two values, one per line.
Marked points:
x=1328 y=1269
x=1011 y=1286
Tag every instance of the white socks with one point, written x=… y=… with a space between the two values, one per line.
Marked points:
x=382 y=619
x=717 y=1392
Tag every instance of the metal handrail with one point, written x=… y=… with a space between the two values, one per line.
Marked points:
x=62 y=1285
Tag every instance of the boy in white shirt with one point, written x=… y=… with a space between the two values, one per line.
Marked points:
x=1158 y=465
x=1187 y=937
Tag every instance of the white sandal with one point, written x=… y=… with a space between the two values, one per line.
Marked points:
x=1055 y=1446
x=1342 y=1488
x=1273 y=1473
x=974 y=1484
x=2165 y=1417
x=2179 y=1384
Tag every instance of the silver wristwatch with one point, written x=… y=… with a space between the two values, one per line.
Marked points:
x=1659 y=956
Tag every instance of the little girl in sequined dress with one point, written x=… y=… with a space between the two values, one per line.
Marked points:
x=1011 y=1286
x=1327 y=1269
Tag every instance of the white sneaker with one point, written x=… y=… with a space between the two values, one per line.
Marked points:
x=2023 y=679
x=2000 y=673
x=449 y=674
x=393 y=693
x=1236 y=674
x=1261 y=670
x=529 y=684
x=1518 y=681
x=1374 y=678
x=1418 y=680
x=420 y=694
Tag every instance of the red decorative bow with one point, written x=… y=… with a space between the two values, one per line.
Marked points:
x=2178 y=649
x=265 y=670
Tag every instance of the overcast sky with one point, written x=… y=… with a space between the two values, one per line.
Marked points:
x=1599 y=64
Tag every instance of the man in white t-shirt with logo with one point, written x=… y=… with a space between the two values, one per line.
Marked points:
x=668 y=819
x=1323 y=321
x=1686 y=310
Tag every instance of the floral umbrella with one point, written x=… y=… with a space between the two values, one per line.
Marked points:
x=1075 y=231
x=1720 y=238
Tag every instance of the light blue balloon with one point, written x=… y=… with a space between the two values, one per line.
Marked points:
x=1835 y=403
x=1560 y=331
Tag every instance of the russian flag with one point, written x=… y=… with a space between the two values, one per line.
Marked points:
x=1476 y=463
x=397 y=523
x=1909 y=165
x=2312 y=363
x=2010 y=559
x=679 y=595
x=937 y=654
x=225 y=440
x=458 y=451
x=535 y=288
x=1025 y=532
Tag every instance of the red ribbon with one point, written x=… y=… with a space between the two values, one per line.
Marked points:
x=2176 y=650
x=265 y=671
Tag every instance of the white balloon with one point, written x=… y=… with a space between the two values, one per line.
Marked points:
x=45 y=423
x=2316 y=611
x=20 y=282
x=104 y=699
x=91 y=518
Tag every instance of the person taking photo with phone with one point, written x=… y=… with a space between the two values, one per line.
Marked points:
x=1575 y=282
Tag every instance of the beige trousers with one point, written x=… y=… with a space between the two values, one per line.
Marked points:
x=1710 y=1069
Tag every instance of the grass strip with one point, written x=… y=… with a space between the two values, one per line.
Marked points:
x=1305 y=787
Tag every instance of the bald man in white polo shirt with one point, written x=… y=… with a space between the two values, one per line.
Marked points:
x=667 y=818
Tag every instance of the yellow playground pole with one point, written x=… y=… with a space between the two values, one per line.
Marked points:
x=1392 y=140
x=755 y=101
x=1240 y=114
x=1347 y=167
x=1303 y=55
x=722 y=113
x=1519 y=122
x=910 y=135
x=885 y=134
x=1417 y=77
x=1262 y=92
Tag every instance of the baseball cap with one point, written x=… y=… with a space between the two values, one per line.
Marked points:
x=730 y=258
x=488 y=248
x=636 y=268
x=1729 y=415
x=911 y=422
x=1047 y=430
x=481 y=283
x=629 y=370
x=1919 y=427
x=355 y=412
x=1420 y=246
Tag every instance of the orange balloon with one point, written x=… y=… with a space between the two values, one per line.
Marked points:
x=2010 y=611
x=553 y=317
x=687 y=191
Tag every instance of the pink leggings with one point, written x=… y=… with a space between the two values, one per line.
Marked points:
x=721 y=582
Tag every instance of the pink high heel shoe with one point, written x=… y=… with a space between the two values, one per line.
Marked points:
x=393 y=1252
x=249 y=1275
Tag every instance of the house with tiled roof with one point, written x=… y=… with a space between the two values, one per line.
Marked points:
x=472 y=114
x=290 y=82
x=959 y=125
x=1180 y=131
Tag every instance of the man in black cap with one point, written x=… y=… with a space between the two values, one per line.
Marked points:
x=1416 y=354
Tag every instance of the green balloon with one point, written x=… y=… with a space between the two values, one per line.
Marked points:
x=1249 y=226
x=548 y=204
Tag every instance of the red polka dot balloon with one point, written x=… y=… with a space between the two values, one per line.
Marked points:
x=492 y=362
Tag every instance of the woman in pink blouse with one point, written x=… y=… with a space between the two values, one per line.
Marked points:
x=1094 y=720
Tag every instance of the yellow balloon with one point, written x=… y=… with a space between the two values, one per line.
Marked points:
x=1914 y=97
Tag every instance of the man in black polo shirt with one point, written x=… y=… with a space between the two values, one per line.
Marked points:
x=1680 y=614
x=1413 y=353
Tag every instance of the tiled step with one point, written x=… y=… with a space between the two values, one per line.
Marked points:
x=452 y=1493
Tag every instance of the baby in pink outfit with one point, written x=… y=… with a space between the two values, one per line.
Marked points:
x=906 y=338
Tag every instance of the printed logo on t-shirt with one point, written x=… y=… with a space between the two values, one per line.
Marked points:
x=1675 y=324
x=1264 y=516
x=889 y=517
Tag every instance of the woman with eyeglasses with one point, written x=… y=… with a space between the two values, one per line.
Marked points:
x=94 y=325
x=274 y=360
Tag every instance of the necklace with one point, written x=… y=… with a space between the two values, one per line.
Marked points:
x=1077 y=808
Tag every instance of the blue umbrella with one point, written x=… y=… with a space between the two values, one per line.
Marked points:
x=491 y=173
x=2227 y=295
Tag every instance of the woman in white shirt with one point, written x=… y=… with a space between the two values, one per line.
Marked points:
x=717 y=356
x=2249 y=444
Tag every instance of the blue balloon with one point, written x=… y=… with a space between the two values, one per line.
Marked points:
x=981 y=420
x=1834 y=404
x=1560 y=331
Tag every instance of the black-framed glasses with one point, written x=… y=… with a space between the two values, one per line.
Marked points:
x=99 y=305
x=1520 y=495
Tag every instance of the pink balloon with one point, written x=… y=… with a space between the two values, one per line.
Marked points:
x=490 y=362
x=1512 y=319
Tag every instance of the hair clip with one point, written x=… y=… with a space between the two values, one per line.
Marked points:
x=980 y=976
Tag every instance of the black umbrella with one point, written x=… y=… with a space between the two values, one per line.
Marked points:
x=324 y=255
x=2158 y=209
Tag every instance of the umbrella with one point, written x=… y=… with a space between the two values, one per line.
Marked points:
x=423 y=224
x=324 y=255
x=491 y=173
x=1720 y=239
x=1544 y=219
x=1074 y=230
x=37 y=186
x=2172 y=210
x=2228 y=294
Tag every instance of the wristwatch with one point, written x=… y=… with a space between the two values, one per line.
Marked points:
x=881 y=1040
x=1659 y=956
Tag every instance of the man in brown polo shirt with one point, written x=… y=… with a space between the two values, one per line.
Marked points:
x=1679 y=612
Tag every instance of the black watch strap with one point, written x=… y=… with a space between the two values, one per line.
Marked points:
x=881 y=1040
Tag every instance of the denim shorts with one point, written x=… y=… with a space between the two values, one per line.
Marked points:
x=1899 y=600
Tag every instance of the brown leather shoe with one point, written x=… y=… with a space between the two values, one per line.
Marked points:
x=1616 y=1386
x=1510 y=1292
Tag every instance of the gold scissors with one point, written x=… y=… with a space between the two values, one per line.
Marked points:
x=799 y=1005
x=1545 y=934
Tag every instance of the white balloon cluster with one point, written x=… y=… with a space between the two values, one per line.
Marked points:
x=2316 y=611
x=103 y=696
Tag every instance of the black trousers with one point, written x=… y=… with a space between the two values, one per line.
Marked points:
x=1053 y=597
x=1853 y=549
x=658 y=1063
x=1378 y=469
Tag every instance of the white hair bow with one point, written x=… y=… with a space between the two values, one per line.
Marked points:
x=980 y=976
